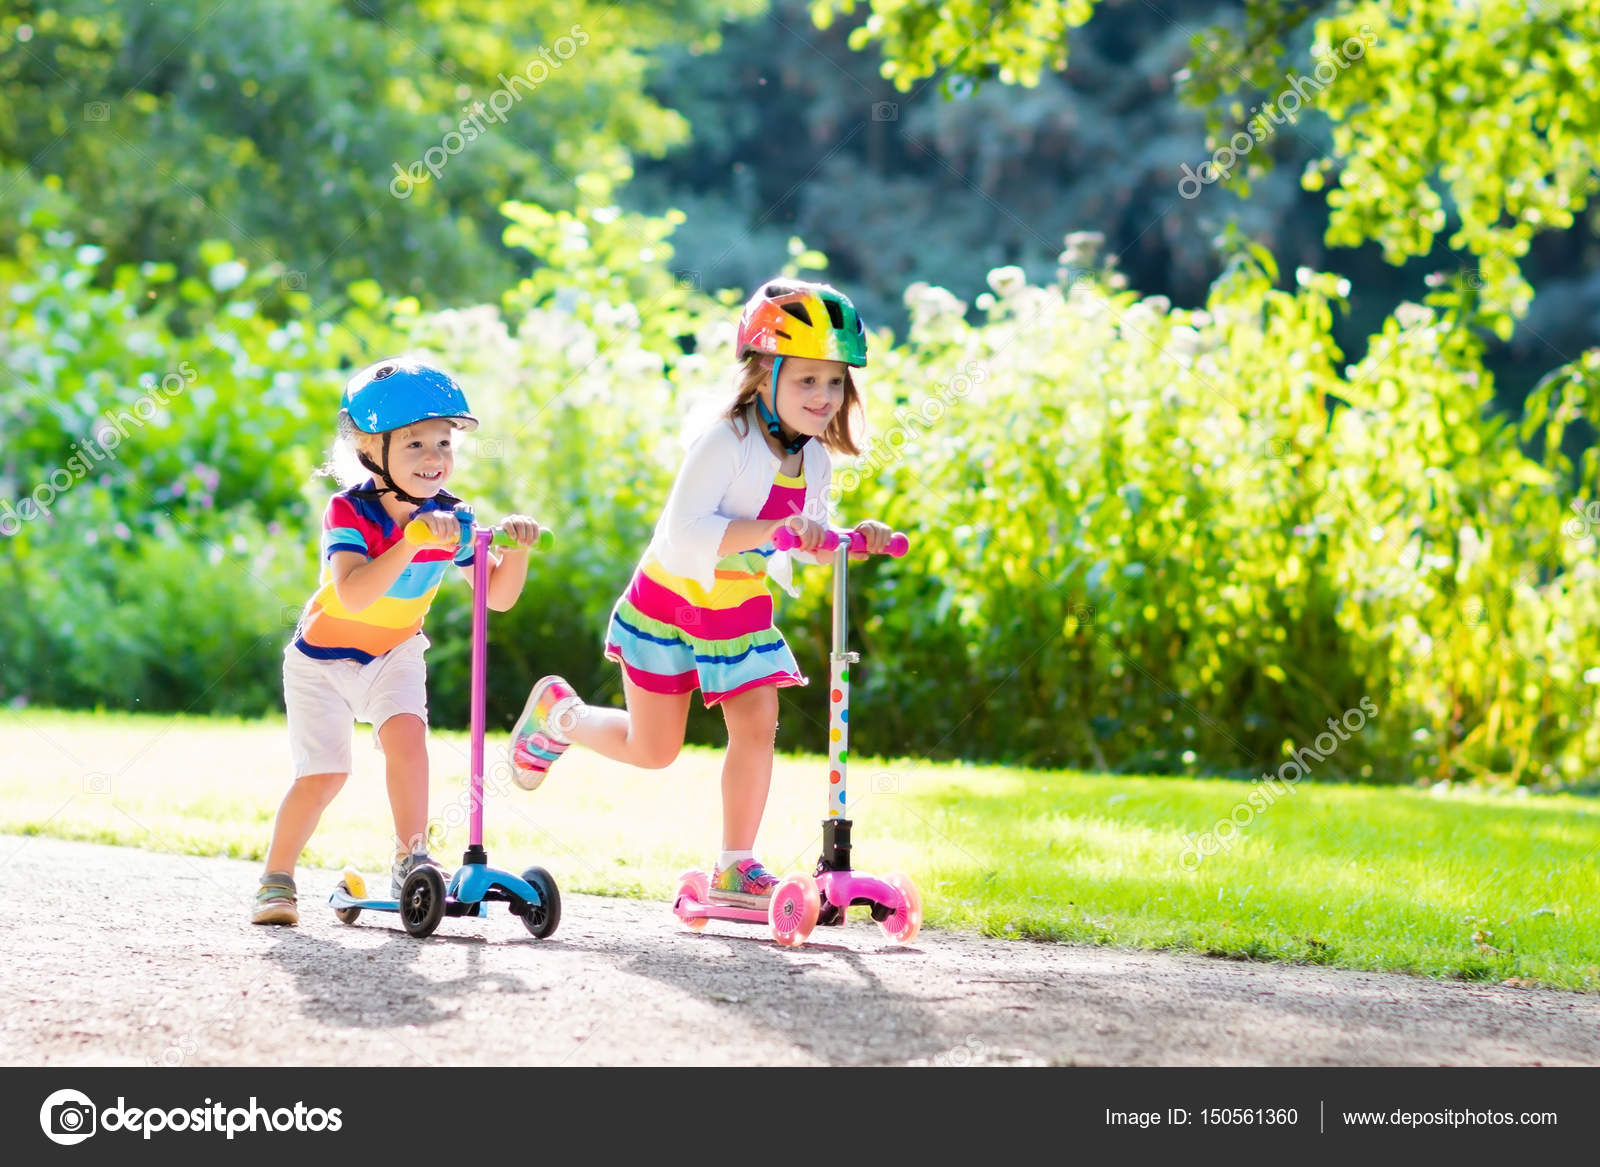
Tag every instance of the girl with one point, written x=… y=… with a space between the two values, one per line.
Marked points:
x=697 y=613
x=357 y=653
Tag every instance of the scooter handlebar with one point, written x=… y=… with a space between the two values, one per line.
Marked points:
x=786 y=540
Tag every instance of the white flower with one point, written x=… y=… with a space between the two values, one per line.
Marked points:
x=1184 y=343
x=1007 y=281
x=227 y=275
x=928 y=302
x=716 y=337
x=1409 y=315
x=1083 y=249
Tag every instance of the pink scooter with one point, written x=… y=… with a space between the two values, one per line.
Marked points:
x=801 y=902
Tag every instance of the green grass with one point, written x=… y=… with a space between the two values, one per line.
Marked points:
x=1467 y=886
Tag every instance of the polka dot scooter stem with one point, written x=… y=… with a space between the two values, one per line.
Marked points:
x=838 y=729
x=840 y=658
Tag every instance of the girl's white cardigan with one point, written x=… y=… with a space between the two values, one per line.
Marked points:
x=727 y=476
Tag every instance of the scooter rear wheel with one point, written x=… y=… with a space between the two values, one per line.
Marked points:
x=347 y=915
x=541 y=918
x=693 y=888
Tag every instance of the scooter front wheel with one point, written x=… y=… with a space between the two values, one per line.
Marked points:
x=794 y=909
x=903 y=924
x=422 y=901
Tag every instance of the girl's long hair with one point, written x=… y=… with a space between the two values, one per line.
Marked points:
x=755 y=371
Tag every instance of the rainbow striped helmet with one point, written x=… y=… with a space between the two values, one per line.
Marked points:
x=793 y=318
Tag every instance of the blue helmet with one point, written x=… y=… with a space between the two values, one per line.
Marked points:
x=402 y=391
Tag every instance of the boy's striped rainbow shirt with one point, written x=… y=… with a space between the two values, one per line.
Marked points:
x=330 y=631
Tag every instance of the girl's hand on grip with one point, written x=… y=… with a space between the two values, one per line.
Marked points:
x=877 y=536
x=810 y=533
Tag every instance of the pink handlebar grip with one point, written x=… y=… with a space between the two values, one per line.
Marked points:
x=786 y=540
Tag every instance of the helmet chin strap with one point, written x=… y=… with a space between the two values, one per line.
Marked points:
x=443 y=499
x=769 y=417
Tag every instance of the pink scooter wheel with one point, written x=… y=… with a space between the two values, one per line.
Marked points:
x=693 y=887
x=906 y=921
x=794 y=909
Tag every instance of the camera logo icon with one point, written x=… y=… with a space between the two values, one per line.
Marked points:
x=96 y=111
x=885 y=111
x=67 y=1117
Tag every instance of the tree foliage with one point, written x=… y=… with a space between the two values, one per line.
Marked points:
x=279 y=125
x=1478 y=112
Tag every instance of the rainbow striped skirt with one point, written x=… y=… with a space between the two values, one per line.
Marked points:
x=673 y=636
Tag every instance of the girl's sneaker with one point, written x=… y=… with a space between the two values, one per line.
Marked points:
x=746 y=883
x=536 y=739
x=275 y=902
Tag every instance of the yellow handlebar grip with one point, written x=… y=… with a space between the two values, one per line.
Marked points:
x=418 y=531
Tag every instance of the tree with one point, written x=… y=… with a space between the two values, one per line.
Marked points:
x=337 y=141
x=1481 y=112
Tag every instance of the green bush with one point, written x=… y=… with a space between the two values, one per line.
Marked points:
x=1169 y=540
x=160 y=437
x=189 y=618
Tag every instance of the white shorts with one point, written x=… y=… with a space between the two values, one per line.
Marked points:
x=323 y=698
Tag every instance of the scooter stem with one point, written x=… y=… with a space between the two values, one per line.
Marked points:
x=839 y=662
x=481 y=537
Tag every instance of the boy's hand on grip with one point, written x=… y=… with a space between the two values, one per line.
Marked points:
x=522 y=529
x=432 y=528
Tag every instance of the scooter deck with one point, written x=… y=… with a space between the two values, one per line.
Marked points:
x=701 y=910
x=452 y=907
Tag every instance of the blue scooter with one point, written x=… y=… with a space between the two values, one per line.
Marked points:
x=425 y=897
